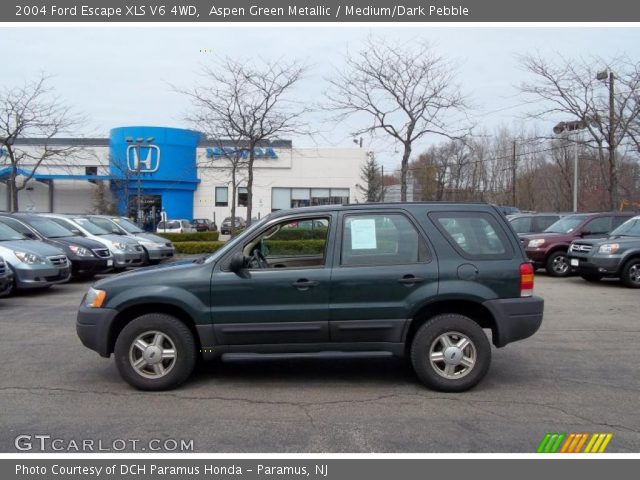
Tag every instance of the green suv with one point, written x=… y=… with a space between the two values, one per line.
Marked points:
x=422 y=280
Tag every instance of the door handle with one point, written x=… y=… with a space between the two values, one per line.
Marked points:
x=410 y=280
x=304 y=284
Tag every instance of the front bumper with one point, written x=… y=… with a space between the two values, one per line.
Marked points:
x=515 y=318
x=38 y=276
x=83 y=265
x=537 y=255
x=160 y=253
x=605 y=265
x=128 y=259
x=93 y=326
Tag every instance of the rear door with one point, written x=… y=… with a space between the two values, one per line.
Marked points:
x=383 y=268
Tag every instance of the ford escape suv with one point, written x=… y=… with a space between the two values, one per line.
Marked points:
x=422 y=280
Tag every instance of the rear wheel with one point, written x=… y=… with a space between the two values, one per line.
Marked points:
x=450 y=353
x=155 y=352
x=630 y=275
x=558 y=264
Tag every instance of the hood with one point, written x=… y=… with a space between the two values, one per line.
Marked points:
x=32 y=246
x=613 y=239
x=551 y=236
x=119 y=238
x=148 y=275
x=150 y=237
x=79 y=241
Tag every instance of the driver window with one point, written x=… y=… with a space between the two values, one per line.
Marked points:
x=292 y=244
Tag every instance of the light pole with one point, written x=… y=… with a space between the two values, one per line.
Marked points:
x=608 y=77
x=574 y=126
x=139 y=142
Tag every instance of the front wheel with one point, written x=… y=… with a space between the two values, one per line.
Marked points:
x=450 y=353
x=558 y=264
x=631 y=273
x=155 y=352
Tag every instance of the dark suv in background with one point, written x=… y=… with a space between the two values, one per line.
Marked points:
x=422 y=280
x=525 y=223
x=617 y=256
x=549 y=249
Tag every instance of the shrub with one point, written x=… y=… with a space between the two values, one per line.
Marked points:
x=295 y=247
x=301 y=234
x=193 y=248
x=190 y=237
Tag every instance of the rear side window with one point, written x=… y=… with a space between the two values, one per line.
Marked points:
x=542 y=223
x=521 y=224
x=475 y=235
x=381 y=239
x=598 y=225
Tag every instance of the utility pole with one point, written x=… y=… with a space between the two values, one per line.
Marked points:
x=612 y=143
x=513 y=174
x=382 y=182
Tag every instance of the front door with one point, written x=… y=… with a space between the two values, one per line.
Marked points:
x=383 y=269
x=282 y=296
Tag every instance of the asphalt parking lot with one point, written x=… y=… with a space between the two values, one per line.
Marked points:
x=579 y=373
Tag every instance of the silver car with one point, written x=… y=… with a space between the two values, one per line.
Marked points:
x=34 y=264
x=126 y=251
x=157 y=248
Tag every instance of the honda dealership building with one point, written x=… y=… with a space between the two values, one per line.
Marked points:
x=181 y=173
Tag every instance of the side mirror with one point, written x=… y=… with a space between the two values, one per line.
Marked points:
x=237 y=262
x=76 y=232
x=585 y=232
x=31 y=236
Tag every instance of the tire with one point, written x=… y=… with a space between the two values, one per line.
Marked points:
x=558 y=264
x=428 y=343
x=172 y=335
x=630 y=275
x=591 y=277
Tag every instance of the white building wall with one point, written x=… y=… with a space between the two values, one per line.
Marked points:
x=294 y=168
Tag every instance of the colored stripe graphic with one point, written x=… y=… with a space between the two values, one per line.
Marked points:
x=574 y=442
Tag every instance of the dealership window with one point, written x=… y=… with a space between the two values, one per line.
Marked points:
x=222 y=196
x=243 y=196
x=282 y=198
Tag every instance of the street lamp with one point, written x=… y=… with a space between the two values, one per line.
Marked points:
x=574 y=126
x=139 y=142
x=608 y=77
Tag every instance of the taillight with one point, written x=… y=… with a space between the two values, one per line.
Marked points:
x=526 y=280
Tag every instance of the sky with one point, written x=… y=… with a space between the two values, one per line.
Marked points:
x=124 y=76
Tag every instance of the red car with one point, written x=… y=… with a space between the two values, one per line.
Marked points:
x=549 y=249
x=204 y=225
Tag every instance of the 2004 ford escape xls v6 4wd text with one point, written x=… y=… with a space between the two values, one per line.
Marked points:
x=419 y=279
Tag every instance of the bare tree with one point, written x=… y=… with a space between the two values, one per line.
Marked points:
x=31 y=110
x=406 y=92
x=571 y=89
x=249 y=103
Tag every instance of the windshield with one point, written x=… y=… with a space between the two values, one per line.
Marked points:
x=8 y=233
x=90 y=227
x=231 y=243
x=565 y=225
x=105 y=224
x=630 y=228
x=128 y=225
x=49 y=228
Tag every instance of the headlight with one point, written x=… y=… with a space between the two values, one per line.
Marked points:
x=80 y=251
x=609 y=248
x=536 y=242
x=119 y=246
x=94 y=298
x=28 y=258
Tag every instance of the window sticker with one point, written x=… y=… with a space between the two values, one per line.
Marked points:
x=363 y=234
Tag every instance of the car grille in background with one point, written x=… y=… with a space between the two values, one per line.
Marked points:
x=2 y=268
x=58 y=260
x=580 y=248
x=102 y=252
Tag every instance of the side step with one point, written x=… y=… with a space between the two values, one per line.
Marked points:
x=251 y=357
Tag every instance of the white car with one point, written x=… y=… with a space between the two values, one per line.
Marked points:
x=126 y=251
x=175 y=226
